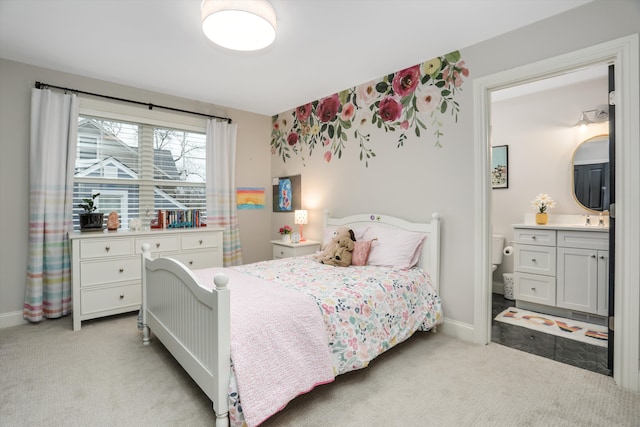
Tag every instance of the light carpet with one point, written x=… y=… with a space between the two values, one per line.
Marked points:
x=559 y=326
x=102 y=375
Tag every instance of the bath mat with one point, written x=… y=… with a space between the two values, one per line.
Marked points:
x=559 y=326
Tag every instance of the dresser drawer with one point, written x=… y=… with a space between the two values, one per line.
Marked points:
x=535 y=259
x=112 y=298
x=110 y=271
x=201 y=240
x=584 y=239
x=197 y=260
x=534 y=288
x=105 y=248
x=159 y=243
x=283 y=252
x=532 y=236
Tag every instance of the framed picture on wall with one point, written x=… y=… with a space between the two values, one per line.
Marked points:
x=500 y=166
x=286 y=193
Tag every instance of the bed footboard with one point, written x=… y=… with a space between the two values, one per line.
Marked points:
x=192 y=322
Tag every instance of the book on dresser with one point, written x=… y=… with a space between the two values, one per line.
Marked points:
x=106 y=269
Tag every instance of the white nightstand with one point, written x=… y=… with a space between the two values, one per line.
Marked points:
x=287 y=249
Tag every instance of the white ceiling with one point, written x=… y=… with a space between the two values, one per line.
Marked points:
x=322 y=46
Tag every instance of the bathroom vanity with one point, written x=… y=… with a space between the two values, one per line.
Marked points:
x=562 y=269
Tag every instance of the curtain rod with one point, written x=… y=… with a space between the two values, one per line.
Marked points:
x=40 y=85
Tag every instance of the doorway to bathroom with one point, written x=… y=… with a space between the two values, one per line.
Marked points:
x=624 y=53
x=535 y=123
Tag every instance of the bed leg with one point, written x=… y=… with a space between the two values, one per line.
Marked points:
x=222 y=420
x=145 y=335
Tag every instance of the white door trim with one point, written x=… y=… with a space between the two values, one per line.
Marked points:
x=624 y=53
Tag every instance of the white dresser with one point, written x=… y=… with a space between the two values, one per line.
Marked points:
x=106 y=270
x=562 y=267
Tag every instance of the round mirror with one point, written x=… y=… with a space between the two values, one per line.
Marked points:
x=591 y=171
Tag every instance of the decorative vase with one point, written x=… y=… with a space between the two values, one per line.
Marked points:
x=286 y=238
x=542 y=218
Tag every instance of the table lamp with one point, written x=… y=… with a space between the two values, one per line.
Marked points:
x=301 y=217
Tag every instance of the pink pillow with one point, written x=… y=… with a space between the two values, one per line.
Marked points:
x=394 y=247
x=360 y=252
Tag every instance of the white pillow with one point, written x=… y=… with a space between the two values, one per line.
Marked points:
x=394 y=248
x=328 y=234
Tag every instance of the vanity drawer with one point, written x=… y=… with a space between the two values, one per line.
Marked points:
x=112 y=298
x=101 y=248
x=584 y=239
x=533 y=236
x=109 y=271
x=535 y=259
x=159 y=243
x=535 y=288
x=201 y=240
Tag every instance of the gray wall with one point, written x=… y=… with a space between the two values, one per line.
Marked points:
x=419 y=179
x=16 y=81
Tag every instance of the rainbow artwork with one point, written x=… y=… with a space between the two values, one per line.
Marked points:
x=250 y=198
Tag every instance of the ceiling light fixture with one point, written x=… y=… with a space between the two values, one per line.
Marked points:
x=244 y=25
x=601 y=114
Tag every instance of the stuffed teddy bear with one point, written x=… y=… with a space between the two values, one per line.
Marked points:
x=332 y=246
x=342 y=255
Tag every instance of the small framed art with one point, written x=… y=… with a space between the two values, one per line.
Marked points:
x=500 y=166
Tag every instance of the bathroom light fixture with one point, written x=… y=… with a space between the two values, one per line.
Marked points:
x=244 y=25
x=301 y=217
x=601 y=114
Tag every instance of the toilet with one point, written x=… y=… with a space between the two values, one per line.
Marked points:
x=497 y=246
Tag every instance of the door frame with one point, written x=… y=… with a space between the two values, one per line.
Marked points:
x=624 y=53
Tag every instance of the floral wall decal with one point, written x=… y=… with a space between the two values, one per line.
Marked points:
x=410 y=100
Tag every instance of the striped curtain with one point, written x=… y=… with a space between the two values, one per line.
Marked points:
x=53 y=140
x=221 y=187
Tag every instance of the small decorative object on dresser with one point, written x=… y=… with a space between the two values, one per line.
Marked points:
x=285 y=232
x=113 y=221
x=541 y=203
x=90 y=220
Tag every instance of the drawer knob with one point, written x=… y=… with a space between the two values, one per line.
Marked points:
x=107 y=248
x=533 y=288
x=157 y=245
x=200 y=241
x=533 y=260
x=121 y=296
x=602 y=257
x=190 y=262
x=533 y=237
x=593 y=256
x=121 y=270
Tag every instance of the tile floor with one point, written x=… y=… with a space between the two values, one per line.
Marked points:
x=586 y=356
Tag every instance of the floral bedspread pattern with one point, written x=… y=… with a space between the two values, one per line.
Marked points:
x=367 y=310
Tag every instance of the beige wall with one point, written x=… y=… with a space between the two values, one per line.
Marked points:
x=418 y=179
x=16 y=81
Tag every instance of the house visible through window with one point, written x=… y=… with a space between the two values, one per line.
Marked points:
x=138 y=168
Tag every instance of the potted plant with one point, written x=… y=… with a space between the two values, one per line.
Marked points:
x=285 y=232
x=90 y=220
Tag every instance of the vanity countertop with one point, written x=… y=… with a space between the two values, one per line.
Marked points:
x=574 y=227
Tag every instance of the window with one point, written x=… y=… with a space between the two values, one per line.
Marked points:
x=139 y=166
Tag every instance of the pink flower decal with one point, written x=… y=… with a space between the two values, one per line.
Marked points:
x=303 y=112
x=406 y=81
x=327 y=156
x=366 y=93
x=405 y=125
x=390 y=109
x=328 y=108
x=428 y=99
x=347 y=111
x=292 y=139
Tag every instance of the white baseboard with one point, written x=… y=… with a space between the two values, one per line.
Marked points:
x=13 y=318
x=462 y=331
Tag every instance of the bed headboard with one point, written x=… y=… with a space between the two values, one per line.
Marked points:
x=430 y=256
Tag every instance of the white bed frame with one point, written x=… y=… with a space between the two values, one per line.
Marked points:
x=193 y=322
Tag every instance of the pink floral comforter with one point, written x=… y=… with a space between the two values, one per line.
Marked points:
x=366 y=310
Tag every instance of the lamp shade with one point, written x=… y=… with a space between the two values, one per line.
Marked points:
x=300 y=217
x=243 y=25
